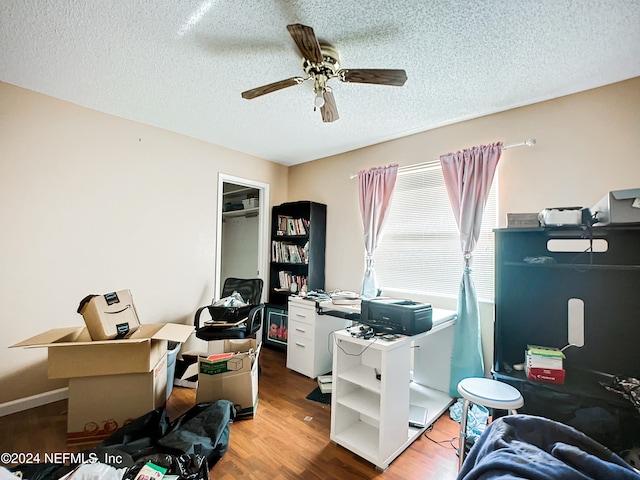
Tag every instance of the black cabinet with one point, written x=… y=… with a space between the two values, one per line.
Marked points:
x=535 y=281
x=298 y=233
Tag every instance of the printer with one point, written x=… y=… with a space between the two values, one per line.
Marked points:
x=618 y=207
x=393 y=315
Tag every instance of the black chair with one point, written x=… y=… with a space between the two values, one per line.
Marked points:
x=251 y=292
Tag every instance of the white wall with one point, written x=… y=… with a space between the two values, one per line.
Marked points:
x=91 y=203
x=239 y=247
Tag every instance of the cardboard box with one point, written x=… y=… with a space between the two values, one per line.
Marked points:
x=618 y=206
x=233 y=378
x=99 y=405
x=522 y=220
x=72 y=352
x=109 y=316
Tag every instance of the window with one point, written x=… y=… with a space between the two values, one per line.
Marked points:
x=420 y=247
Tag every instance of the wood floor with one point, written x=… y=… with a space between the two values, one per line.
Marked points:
x=287 y=439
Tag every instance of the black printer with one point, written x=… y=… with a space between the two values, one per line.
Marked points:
x=393 y=315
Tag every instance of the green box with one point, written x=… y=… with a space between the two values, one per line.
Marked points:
x=232 y=364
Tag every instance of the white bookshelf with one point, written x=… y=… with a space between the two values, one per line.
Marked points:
x=370 y=416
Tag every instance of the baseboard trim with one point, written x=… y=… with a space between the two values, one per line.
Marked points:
x=21 y=404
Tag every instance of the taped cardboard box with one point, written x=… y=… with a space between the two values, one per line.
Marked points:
x=72 y=352
x=233 y=378
x=99 y=405
x=109 y=316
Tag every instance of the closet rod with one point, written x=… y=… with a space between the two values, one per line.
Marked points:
x=527 y=143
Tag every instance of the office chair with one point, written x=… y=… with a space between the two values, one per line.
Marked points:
x=251 y=292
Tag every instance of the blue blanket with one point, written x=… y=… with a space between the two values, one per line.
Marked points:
x=535 y=448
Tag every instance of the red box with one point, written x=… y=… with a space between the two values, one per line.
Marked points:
x=546 y=375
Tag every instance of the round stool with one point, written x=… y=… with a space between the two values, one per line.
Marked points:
x=488 y=393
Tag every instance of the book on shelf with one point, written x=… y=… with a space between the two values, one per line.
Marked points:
x=282 y=225
x=285 y=252
x=325 y=383
x=326 y=387
x=286 y=279
x=545 y=351
x=288 y=225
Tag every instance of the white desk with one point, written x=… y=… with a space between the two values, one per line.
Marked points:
x=308 y=339
x=370 y=416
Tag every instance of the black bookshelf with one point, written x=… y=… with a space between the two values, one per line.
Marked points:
x=297 y=249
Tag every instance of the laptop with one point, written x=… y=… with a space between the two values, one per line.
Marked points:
x=417 y=416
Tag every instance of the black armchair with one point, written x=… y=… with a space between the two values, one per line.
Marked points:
x=251 y=292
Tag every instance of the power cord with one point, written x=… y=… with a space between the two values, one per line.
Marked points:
x=375 y=339
x=442 y=443
x=587 y=250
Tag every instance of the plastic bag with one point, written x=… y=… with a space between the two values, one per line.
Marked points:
x=233 y=300
x=231 y=309
x=477 y=418
x=203 y=430
x=186 y=467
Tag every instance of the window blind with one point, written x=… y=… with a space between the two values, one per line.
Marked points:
x=420 y=248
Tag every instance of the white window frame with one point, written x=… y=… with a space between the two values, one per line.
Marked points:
x=419 y=254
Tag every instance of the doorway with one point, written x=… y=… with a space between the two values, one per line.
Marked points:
x=242 y=247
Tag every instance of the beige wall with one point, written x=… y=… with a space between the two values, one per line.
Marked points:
x=588 y=144
x=91 y=203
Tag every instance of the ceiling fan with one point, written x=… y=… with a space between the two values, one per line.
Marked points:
x=321 y=63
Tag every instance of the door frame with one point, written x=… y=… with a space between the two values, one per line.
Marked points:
x=263 y=229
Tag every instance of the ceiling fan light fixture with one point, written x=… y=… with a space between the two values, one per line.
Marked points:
x=318 y=101
x=321 y=62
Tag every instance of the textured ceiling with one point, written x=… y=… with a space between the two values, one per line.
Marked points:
x=182 y=65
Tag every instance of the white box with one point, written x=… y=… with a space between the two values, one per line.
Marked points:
x=250 y=203
x=539 y=361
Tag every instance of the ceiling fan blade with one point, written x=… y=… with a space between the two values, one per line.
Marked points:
x=329 y=110
x=272 y=87
x=306 y=41
x=377 y=76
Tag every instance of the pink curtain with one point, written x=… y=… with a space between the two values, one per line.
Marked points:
x=468 y=176
x=375 y=188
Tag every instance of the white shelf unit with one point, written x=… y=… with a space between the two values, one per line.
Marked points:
x=370 y=416
x=245 y=212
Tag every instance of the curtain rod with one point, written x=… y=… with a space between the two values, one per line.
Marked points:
x=527 y=143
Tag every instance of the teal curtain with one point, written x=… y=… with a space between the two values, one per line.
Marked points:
x=468 y=176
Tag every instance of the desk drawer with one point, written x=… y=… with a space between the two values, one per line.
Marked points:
x=302 y=314
x=300 y=355
x=300 y=329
